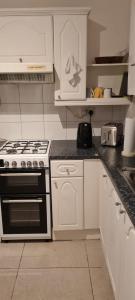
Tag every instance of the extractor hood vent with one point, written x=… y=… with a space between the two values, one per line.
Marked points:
x=25 y=73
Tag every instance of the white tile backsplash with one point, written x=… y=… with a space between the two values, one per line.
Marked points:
x=27 y=111
x=33 y=130
x=54 y=114
x=55 y=130
x=9 y=113
x=9 y=93
x=31 y=112
x=31 y=93
x=10 y=130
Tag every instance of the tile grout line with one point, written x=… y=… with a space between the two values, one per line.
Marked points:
x=17 y=272
x=89 y=270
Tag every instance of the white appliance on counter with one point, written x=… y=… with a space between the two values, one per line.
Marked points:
x=129 y=136
x=25 y=190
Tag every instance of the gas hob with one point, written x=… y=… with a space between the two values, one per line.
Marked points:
x=25 y=154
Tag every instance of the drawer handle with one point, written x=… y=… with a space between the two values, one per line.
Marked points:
x=104 y=176
x=133 y=65
x=56 y=185
x=68 y=171
x=122 y=212
x=117 y=203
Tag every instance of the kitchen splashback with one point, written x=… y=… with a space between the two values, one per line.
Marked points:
x=27 y=111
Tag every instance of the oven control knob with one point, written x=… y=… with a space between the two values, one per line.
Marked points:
x=29 y=164
x=6 y=164
x=14 y=164
x=41 y=163
x=23 y=164
x=35 y=164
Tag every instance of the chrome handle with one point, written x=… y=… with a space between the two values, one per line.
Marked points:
x=20 y=174
x=23 y=201
x=122 y=212
x=67 y=170
x=117 y=203
x=56 y=185
x=104 y=176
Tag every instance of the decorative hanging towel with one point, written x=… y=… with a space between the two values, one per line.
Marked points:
x=73 y=70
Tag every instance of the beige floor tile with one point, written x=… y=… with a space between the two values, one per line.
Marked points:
x=7 y=281
x=10 y=254
x=53 y=284
x=95 y=253
x=55 y=254
x=101 y=284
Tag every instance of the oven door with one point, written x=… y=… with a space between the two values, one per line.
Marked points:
x=22 y=182
x=26 y=215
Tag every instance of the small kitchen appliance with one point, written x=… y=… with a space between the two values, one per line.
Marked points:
x=25 y=190
x=112 y=134
x=84 y=135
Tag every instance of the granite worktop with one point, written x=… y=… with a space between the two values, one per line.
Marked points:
x=112 y=160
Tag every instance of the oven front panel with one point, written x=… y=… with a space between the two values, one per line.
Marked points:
x=22 y=182
x=24 y=215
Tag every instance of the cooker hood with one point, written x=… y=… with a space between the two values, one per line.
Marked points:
x=26 y=72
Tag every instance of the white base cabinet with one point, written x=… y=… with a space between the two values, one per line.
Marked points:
x=67 y=194
x=91 y=194
x=67 y=201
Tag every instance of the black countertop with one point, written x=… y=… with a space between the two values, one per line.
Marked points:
x=112 y=159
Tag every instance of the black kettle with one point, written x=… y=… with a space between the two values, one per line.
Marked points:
x=84 y=135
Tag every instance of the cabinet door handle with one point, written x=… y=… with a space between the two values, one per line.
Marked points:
x=104 y=176
x=59 y=97
x=68 y=171
x=122 y=212
x=56 y=185
x=117 y=203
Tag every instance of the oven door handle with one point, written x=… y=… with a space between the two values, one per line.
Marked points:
x=23 y=201
x=20 y=174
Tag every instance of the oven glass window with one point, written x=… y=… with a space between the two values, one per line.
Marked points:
x=22 y=181
x=24 y=215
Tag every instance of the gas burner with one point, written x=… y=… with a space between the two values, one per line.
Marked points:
x=35 y=150
x=37 y=144
x=16 y=145
x=11 y=151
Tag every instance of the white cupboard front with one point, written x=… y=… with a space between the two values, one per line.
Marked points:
x=70 y=54
x=131 y=69
x=67 y=203
x=127 y=272
x=91 y=194
x=26 y=39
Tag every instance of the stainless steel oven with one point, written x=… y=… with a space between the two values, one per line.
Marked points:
x=25 y=203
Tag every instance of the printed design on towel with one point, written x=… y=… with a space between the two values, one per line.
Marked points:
x=73 y=70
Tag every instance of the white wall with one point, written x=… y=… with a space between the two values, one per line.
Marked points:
x=27 y=111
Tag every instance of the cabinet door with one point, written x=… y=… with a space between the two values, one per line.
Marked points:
x=67 y=203
x=117 y=215
x=91 y=194
x=127 y=274
x=105 y=192
x=70 y=48
x=131 y=71
x=26 y=39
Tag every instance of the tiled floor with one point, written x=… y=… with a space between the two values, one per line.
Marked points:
x=73 y=270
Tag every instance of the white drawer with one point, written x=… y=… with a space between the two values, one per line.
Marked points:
x=65 y=168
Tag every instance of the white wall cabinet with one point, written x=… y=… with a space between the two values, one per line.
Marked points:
x=91 y=194
x=26 y=39
x=70 y=55
x=67 y=194
x=131 y=71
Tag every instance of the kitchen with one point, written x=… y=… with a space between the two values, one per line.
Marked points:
x=87 y=206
